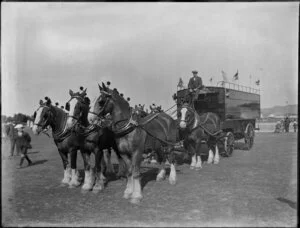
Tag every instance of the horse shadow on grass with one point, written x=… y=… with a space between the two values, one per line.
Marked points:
x=240 y=146
x=288 y=202
x=110 y=176
x=33 y=152
x=39 y=162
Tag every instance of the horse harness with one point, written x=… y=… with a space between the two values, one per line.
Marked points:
x=202 y=124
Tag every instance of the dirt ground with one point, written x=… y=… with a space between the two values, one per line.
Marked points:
x=251 y=188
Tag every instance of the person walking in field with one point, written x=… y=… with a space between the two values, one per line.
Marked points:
x=11 y=133
x=23 y=140
x=295 y=125
x=287 y=122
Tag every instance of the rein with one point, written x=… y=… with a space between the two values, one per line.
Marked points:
x=201 y=124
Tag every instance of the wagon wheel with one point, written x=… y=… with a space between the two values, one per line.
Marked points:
x=229 y=144
x=249 y=136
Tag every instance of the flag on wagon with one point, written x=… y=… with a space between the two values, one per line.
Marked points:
x=257 y=82
x=224 y=76
x=180 y=83
x=236 y=76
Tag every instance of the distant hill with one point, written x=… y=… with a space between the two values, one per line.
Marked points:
x=280 y=110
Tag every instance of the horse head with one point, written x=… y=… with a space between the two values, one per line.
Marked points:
x=42 y=116
x=107 y=101
x=78 y=107
x=186 y=115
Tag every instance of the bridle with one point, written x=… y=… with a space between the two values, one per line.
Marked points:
x=45 y=123
x=189 y=109
x=79 y=99
x=108 y=96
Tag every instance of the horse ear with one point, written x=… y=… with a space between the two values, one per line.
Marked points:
x=48 y=102
x=103 y=86
x=71 y=92
x=41 y=102
x=100 y=88
x=83 y=93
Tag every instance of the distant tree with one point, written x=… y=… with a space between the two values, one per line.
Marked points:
x=3 y=118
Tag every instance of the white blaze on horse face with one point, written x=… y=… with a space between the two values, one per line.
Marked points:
x=91 y=116
x=71 y=121
x=36 y=129
x=72 y=103
x=182 y=120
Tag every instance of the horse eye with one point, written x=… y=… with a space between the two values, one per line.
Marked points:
x=67 y=106
x=101 y=103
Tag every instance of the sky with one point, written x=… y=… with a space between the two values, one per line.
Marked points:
x=144 y=48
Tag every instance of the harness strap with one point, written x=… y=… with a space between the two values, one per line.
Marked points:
x=163 y=141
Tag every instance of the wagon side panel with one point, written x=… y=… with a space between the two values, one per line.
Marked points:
x=241 y=105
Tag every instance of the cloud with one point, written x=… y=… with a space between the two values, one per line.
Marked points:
x=66 y=48
x=143 y=48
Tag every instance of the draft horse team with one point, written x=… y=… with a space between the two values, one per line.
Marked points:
x=112 y=123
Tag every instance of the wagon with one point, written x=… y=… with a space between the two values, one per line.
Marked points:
x=237 y=106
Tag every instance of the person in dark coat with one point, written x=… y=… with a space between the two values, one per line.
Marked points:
x=23 y=140
x=11 y=133
x=195 y=84
x=295 y=125
x=287 y=122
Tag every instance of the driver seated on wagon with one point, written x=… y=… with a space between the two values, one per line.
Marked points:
x=195 y=85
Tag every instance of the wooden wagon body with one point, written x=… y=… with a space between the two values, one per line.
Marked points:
x=237 y=106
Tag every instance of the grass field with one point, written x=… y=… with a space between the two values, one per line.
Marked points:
x=251 y=188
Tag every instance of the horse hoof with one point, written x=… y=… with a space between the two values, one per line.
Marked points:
x=198 y=168
x=87 y=187
x=172 y=182
x=192 y=167
x=215 y=163
x=98 y=188
x=159 y=178
x=65 y=181
x=74 y=184
x=135 y=200
x=127 y=195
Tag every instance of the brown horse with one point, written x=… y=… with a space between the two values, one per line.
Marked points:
x=95 y=139
x=196 y=129
x=131 y=136
x=66 y=140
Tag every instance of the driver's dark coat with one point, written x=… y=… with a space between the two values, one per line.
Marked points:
x=195 y=82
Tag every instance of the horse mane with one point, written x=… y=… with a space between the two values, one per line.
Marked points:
x=122 y=101
x=60 y=118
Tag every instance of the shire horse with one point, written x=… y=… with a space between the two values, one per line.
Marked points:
x=131 y=136
x=96 y=138
x=66 y=141
x=197 y=128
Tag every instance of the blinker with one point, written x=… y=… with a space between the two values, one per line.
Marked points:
x=67 y=106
